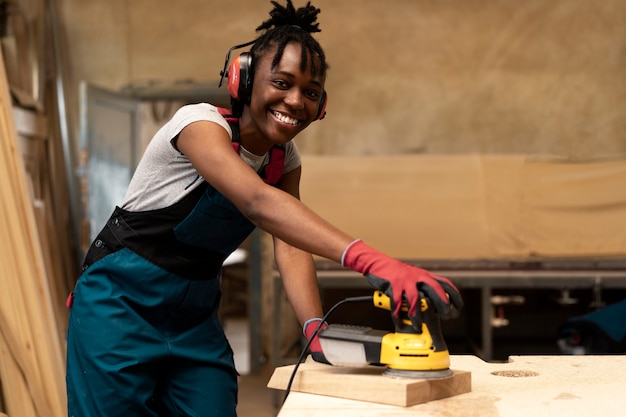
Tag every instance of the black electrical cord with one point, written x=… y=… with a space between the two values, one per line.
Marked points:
x=367 y=298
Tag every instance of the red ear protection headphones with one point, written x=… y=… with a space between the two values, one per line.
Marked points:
x=240 y=78
x=240 y=74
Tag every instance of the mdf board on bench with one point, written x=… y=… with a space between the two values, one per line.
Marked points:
x=538 y=386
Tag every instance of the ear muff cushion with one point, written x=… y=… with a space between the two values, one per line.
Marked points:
x=240 y=78
x=233 y=79
x=321 y=109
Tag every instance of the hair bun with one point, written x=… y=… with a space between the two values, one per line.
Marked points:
x=303 y=17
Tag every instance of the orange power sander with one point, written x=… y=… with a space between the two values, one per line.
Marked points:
x=406 y=352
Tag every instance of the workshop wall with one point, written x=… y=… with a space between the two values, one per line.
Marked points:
x=454 y=76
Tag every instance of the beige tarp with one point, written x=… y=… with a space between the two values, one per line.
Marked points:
x=472 y=206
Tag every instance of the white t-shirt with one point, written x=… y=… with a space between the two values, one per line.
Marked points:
x=164 y=175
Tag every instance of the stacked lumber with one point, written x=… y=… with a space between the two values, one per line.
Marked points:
x=31 y=342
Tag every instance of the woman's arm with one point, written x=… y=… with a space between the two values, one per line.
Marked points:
x=296 y=267
x=209 y=148
x=279 y=213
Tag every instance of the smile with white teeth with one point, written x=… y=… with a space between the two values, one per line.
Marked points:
x=285 y=119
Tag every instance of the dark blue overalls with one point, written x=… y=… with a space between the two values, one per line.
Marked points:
x=144 y=336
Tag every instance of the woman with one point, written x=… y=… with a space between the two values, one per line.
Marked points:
x=144 y=336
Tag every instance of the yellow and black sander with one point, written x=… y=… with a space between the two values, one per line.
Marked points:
x=407 y=352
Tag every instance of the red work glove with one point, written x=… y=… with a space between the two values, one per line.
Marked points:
x=402 y=281
x=315 y=347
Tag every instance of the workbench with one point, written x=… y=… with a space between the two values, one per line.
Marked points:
x=550 y=386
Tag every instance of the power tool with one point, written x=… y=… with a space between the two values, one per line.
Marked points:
x=405 y=353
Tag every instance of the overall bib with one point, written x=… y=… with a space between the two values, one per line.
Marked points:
x=144 y=336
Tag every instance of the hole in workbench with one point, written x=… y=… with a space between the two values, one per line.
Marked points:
x=515 y=373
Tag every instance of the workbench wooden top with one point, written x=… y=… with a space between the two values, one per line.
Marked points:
x=550 y=386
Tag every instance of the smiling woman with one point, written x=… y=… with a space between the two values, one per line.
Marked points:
x=284 y=93
x=144 y=335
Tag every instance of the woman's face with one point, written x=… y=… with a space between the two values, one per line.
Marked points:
x=284 y=99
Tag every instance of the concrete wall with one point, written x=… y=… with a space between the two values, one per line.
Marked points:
x=407 y=76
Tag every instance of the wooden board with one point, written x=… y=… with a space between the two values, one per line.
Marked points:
x=368 y=384
x=31 y=345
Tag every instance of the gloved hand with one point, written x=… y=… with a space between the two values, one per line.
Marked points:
x=402 y=281
x=315 y=346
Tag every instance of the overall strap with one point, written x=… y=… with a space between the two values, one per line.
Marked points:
x=274 y=169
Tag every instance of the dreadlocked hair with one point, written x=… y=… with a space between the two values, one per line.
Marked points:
x=288 y=24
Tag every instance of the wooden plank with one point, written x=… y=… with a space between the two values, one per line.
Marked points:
x=32 y=353
x=368 y=384
x=30 y=123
